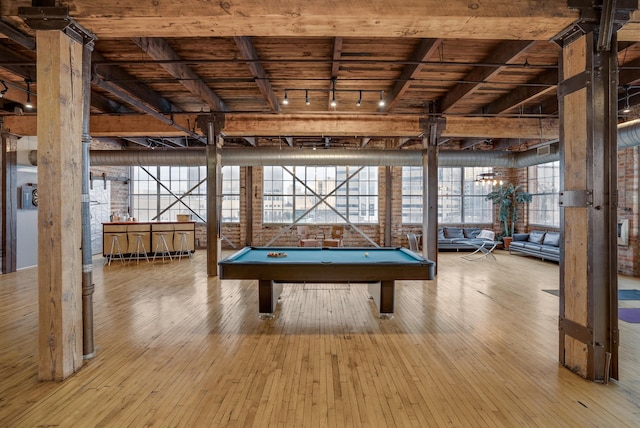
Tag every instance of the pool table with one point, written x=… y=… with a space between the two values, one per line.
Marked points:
x=379 y=267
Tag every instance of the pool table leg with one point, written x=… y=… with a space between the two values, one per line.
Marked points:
x=268 y=295
x=383 y=294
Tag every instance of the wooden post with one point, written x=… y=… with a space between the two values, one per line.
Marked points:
x=60 y=107
x=587 y=93
x=430 y=191
x=9 y=201
x=212 y=126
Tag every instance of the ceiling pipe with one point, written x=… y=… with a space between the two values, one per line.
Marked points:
x=267 y=156
x=628 y=136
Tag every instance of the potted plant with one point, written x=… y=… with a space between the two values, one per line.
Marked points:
x=507 y=197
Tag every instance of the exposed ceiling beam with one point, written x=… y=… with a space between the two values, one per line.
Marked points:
x=115 y=76
x=17 y=36
x=547 y=81
x=453 y=19
x=106 y=105
x=504 y=53
x=423 y=52
x=159 y=49
x=24 y=71
x=248 y=51
x=402 y=141
x=242 y=124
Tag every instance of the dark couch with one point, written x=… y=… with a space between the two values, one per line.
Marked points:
x=545 y=245
x=457 y=238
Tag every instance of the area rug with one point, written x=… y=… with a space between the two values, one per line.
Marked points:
x=629 y=314
x=622 y=294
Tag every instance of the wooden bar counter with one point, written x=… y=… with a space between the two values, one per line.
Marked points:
x=126 y=233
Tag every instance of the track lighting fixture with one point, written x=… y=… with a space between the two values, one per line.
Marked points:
x=627 y=107
x=28 y=103
x=332 y=91
x=4 y=90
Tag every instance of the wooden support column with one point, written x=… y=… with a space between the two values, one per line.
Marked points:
x=60 y=107
x=9 y=200
x=588 y=321
x=212 y=126
x=430 y=190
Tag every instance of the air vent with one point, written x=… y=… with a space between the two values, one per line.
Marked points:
x=544 y=150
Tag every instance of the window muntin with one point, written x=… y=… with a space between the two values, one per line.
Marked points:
x=460 y=198
x=316 y=194
x=544 y=186
x=152 y=201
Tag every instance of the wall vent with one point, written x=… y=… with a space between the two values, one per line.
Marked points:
x=544 y=150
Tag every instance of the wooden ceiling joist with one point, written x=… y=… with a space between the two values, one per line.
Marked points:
x=159 y=49
x=248 y=52
x=242 y=124
x=544 y=82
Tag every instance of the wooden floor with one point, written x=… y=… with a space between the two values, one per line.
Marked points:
x=476 y=347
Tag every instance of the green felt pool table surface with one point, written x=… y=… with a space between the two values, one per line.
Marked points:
x=380 y=266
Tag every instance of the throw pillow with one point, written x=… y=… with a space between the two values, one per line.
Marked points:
x=453 y=232
x=471 y=232
x=536 y=236
x=552 y=238
x=440 y=233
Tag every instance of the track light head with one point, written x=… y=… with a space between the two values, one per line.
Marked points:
x=333 y=98
x=359 y=103
x=285 y=100
x=381 y=102
x=627 y=107
x=28 y=103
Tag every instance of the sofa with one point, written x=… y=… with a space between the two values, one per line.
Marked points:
x=538 y=243
x=458 y=238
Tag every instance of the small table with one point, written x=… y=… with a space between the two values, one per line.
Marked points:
x=484 y=249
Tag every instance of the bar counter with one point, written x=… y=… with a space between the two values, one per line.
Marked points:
x=127 y=232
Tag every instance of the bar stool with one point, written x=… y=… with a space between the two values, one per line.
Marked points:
x=115 y=245
x=183 y=248
x=139 y=244
x=162 y=244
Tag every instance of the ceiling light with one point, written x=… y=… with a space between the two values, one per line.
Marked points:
x=359 y=103
x=285 y=101
x=28 y=103
x=307 y=101
x=333 y=98
x=4 y=90
x=488 y=177
x=627 y=107
x=381 y=102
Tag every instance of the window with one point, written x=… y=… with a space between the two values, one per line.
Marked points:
x=161 y=193
x=544 y=186
x=460 y=199
x=320 y=194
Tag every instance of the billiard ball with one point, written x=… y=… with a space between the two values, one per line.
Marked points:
x=366 y=254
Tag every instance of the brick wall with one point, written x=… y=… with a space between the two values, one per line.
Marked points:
x=628 y=187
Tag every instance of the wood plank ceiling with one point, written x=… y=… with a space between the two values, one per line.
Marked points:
x=459 y=59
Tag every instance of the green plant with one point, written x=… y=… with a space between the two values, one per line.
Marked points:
x=507 y=197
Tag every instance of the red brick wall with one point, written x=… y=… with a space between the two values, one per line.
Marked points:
x=628 y=187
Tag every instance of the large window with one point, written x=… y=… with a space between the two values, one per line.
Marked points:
x=320 y=194
x=460 y=198
x=544 y=186
x=161 y=193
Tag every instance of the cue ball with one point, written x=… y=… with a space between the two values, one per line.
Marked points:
x=366 y=254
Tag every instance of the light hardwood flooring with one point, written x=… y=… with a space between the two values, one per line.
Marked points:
x=476 y=347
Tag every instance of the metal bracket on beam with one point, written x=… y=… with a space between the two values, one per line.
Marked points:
x=218 y=119
x=55 y=18
x=579 y=332
x=574 y=83
x=576 y=198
